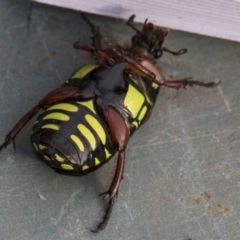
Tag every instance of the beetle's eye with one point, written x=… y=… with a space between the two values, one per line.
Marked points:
x=135 y=40
x=157 y=53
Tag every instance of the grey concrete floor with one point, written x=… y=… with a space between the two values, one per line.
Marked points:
x=182 y=175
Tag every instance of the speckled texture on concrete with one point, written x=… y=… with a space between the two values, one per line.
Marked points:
x=182 y=176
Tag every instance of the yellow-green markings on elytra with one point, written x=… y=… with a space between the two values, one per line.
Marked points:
x=94 y=123
x=59 y=158
x=154 y=85
x=107 y=153
x=97 y=161
x=47 y=157
x=82 y=72
x=135 y=124
x=35 y=146
x=64 y=106
x=67 y=166
x=88 y=104
x=41 y=147
x=85 y=167
x=78 y=142
x=134 y=100
x=57 y=116
x=148 y=100
x=88 y=135
x=142 y=113
x=51 y=126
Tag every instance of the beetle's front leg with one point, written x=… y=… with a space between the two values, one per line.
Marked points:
x=95 y=31
x=120 y=133
x=101 y=57
x=183 y=83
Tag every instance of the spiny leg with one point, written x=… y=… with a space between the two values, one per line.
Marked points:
x=112 y=192
x=101 y=57
x=118 y=51
x=57 y=95
x=18 y=127
x=107 y=61
x=98 y=36
x=105 y=55
x=120 y=134
x=95 y=31
x=96 y=49
x=183 y=83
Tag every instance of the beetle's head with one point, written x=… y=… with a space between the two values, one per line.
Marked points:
x=150 y=39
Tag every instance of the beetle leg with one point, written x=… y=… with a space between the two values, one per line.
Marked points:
x=57 y=95
x=182 y=83
x=105 y=55
x=101 y=57
x=95 y=31
x=120 y=134
x=129 y=23
x=64 y=93
x=17 y=128
x=98 y=36
x=141 y=68
x=180 y=52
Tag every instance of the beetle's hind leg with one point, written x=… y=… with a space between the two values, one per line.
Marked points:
x=120 y=134
x=17 y=128
x=183 y=83
x=55 y=96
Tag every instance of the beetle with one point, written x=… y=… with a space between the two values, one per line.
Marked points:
x=88 y=119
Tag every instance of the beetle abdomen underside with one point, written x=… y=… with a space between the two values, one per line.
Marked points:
x=72 y=136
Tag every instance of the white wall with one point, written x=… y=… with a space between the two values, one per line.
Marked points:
x=218 y=18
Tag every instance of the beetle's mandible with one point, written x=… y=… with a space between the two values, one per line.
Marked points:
x=83 y=123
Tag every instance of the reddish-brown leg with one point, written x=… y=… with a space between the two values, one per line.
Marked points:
x=111 y=52
x=141 y=68
x=183 y=83
x=120 y=134
x=57 y=95
x=101 y=57
x=106 y=59
x=95 y=30
x=17 y=128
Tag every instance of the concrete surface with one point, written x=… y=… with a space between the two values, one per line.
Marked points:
x=182 y=174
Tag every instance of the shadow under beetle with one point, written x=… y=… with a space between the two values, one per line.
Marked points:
x=91 y=116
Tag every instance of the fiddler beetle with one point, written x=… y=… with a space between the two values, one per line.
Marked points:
x=83 y=123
